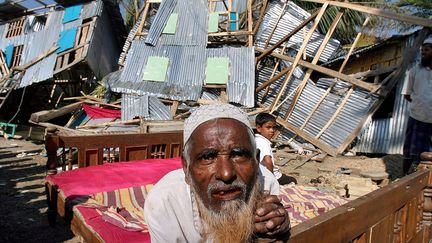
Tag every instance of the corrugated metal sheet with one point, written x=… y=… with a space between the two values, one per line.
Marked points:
x=41 y=42
x=186 y=70
x=356 y=107
x=241 y=83
x=191 y=25
x=129 y=40
x=103 y=52
x=386 y=136
x=185 y=73
x=134 y=106
x=165 y=9
x=2 y=31
x=92 y=9
x=267 y=97
x=292 y=16
x=158 y=111
x=210 y=94
x=148 y=107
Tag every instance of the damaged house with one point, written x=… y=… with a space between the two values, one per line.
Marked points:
x=61 y=49
x=178 y=52
x=263 y=56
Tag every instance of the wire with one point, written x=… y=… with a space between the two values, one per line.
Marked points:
x=19 y=107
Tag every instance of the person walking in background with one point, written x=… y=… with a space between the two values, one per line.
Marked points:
x=266 y=128
x=418 y=91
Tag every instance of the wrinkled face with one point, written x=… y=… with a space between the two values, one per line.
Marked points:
x=426 y=53
x=222 y=167
x=267 y=129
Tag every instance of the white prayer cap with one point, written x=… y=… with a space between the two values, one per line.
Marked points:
x=209 y=112
x=428 y=40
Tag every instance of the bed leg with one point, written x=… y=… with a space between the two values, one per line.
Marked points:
x=51 y=193
x=51 y=145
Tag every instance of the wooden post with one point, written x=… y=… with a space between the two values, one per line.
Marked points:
x=426 y=163
x=51 y=149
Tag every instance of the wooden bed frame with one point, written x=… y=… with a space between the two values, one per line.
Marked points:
x=398 y=212
x=99 y=149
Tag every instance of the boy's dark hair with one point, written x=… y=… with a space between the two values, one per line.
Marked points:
x=262 y=118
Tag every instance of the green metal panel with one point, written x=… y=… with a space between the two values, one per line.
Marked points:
x=171 y=25
x=213 y=22
x=156 y=69
x=217 y=70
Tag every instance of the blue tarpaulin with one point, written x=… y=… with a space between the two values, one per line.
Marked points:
x=8 y=55
x=71 y=13
x=67 y=39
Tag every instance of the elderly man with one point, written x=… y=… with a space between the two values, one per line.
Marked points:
x=221 y=194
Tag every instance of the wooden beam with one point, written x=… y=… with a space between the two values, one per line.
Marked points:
x=143 y=19
x=250 y=23
x=46 y=115
x=371 y=73
x=327 y=71
x=174 y=107
x=342 y=67
x=326 y=148
x=287 y=37
x=261 y=17
x=379 y=12
x=273 y=79
x=231 y=33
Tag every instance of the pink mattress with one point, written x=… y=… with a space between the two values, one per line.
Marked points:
x=112 y=176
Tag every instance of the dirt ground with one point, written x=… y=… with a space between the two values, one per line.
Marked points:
x=23 y=209
x=22 y=196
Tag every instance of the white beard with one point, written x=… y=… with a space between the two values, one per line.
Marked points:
x=234 y=222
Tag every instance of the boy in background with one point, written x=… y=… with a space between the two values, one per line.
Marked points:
x=266 y=128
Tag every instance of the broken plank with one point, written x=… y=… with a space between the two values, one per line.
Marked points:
x=174 y=107
x=326 y=148
x=46 y=115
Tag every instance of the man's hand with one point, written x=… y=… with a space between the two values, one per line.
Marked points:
x=271 y=218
